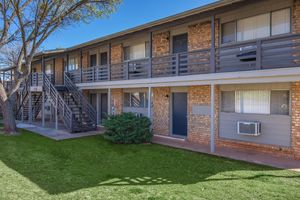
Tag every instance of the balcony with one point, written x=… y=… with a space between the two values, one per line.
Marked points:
x=270 y=53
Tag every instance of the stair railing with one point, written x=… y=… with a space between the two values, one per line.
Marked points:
x=24 y=94
x=57 y=100
x=81 y=99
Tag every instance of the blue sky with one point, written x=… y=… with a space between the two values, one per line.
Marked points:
x=130 y=13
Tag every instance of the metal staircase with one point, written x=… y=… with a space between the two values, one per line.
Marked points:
x=22 y=111
x=72 y=108
x=84 y=112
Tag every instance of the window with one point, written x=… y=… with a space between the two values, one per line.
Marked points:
x=103 y=58
x=259 y=26
x=253 y=27
x=228 y=99
x=135 y=99
x=252 y=101
x=281 y=22
x=73 y=63
x=49 y=68
x=274 y=102
x=280 y=102
x=228 y=32
x=93 y=60
x=135 y=52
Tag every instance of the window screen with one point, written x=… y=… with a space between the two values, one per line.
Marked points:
x=103 y=58
x=135 y=52
x=281 y=22
x=73 y=63
x=228 y=32
x=228 y=101
x=126 y=51
x=93 y=60
x=135 y=99
x=280 y=102
x=253 y=27
x=252 y=101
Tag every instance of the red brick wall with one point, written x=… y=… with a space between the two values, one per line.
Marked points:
x=295 y=103
x=296 y=16
x=199 y=35
x=117 y=54
x=161 y=110
x=199 y=125
x=161 y=44
x=59 y=69
x=85 y=60
x=117 y=100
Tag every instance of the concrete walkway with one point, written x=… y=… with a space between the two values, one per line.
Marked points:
x=54 y=134
x=253 y=157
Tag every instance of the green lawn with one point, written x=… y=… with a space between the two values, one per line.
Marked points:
x=34 y=167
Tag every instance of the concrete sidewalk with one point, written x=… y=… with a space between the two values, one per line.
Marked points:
x=253 y=157
x=60 y=134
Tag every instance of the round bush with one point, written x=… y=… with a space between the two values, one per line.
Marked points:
x=127 y=128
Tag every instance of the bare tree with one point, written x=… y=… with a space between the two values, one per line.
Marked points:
x=30 y=23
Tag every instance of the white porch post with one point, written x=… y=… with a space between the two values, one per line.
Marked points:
x=43 y=108
x=56 y=113
x=212 y=116
x=30 y=108
x=149 y=102
x=98 y=107
x=22 y=109
x=109 y=101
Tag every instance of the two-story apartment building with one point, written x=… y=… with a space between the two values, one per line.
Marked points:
x=225 y=74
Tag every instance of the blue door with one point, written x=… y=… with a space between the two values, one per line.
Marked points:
x=179 y=112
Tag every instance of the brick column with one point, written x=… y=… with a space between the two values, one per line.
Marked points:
x=161 y=110
x=296 y=16
x=295 y=109
x=161 y=44
x=117 y=100
x=198 y=125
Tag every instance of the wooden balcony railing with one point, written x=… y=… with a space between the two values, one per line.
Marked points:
x=270 y=53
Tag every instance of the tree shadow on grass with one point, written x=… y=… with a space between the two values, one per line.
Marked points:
x=66 y=166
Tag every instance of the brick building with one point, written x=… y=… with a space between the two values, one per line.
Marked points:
x=226 y=74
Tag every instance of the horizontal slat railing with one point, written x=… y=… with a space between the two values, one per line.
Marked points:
x=270 y=53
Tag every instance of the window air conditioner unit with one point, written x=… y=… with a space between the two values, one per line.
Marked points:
x=248 y=128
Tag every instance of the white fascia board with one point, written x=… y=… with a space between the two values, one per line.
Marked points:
x=255 y=76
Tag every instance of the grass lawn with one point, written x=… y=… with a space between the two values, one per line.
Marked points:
x=34 y=167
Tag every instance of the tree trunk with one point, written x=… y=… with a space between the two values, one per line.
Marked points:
x=9 y=118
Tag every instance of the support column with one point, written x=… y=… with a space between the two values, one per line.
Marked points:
x=56 y=113
x=149 y=102
x=43 y=108
x=109 y=101
x=30 y=107
x=212 y=46
x=212 y=118
x=98 y=107
x=51 y=113
x=22 y=108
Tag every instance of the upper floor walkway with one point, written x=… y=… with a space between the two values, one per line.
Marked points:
x=270 y=53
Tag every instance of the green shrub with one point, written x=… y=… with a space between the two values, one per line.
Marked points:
x=127 y=128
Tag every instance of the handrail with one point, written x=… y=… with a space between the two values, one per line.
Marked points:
x=62 y=106
x=80 y=99
x=24 y=94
